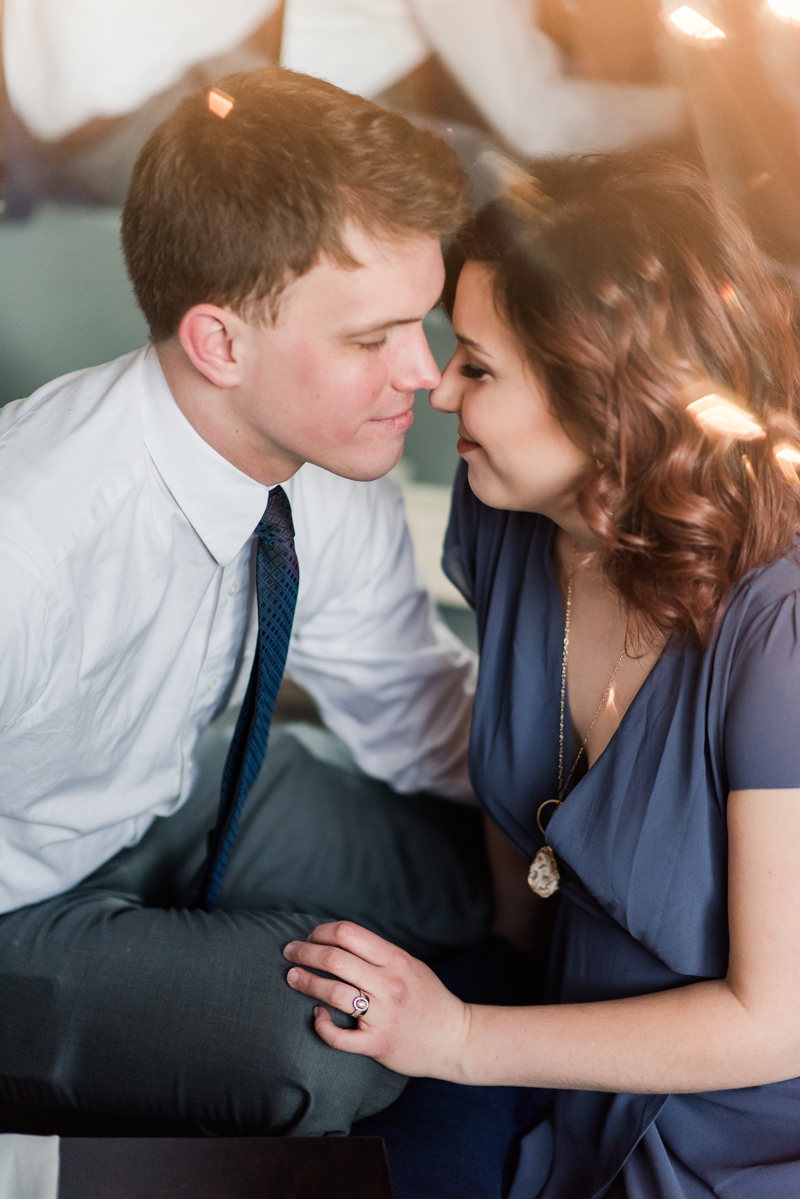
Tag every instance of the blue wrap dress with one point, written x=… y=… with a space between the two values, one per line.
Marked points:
x=642 y=847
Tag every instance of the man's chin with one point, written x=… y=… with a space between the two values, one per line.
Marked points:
x=363 y=468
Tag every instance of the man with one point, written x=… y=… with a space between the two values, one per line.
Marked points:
x=283 y=239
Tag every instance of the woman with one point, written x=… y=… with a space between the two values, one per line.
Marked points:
x=624 y=524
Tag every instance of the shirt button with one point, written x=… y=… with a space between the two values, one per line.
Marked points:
x=213 y=684
x=234 y=587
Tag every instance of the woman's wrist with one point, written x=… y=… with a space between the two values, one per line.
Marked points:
x=496 y=1047
x=466 y=1063
x=448 y=1046
x=459 y=1056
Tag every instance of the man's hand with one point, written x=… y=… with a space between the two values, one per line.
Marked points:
x=414 y=1024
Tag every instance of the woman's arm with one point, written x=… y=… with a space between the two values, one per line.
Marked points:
x=740 y=1031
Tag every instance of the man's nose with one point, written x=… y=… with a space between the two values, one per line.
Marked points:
x=417 y=368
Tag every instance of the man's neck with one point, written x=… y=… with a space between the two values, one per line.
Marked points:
x=211 y=413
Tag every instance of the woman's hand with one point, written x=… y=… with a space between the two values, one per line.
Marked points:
x=414 y=1024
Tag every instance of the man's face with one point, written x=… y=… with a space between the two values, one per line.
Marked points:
x=332 y=381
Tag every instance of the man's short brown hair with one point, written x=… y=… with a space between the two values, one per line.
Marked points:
x=228 y=209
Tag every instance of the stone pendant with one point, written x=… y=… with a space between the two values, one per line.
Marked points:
x=543 y=877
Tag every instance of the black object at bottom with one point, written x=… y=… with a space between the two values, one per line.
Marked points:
x=224 y=1168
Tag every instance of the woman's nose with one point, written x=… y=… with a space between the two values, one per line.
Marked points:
x=447 y=396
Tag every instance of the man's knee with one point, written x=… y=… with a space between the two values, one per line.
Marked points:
x=174 y=1015
x=274 y=1071
x=316 y=1090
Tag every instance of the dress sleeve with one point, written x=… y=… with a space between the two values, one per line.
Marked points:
x=762 y=721
x=458 y=558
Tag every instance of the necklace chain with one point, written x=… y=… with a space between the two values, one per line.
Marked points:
x=544 y=878
x=562 y=783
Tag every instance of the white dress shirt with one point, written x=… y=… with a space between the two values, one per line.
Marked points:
x=127 y=621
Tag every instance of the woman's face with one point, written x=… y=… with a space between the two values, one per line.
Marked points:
x=517 y=451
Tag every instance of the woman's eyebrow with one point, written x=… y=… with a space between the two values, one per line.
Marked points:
x=473 y=345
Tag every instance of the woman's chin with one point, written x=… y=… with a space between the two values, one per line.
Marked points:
x=488 y=489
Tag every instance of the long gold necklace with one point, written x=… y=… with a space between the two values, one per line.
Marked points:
x=543 y=877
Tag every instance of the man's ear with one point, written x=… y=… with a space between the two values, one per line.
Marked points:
x=210 y=338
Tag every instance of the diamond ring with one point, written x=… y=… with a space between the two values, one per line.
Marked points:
x=360 y=1004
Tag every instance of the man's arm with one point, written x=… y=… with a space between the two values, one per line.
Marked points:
x=25 y=637
x=388 y=676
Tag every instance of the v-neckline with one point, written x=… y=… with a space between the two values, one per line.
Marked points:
x=560 y=625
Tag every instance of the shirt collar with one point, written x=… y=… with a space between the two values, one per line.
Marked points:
x=222 y=504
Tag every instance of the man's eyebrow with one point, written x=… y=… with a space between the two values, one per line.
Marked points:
x=354 y=333
x=473 y=345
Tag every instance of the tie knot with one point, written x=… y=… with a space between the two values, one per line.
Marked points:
x=277 y=517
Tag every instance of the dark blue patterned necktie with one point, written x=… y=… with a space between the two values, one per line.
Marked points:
x=276 y=590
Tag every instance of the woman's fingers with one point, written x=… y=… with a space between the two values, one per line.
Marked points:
x=325 y=950
x=333 y=960
x=350 y=1040
x=357 y=940
x=338 y=994
x=414 y=1024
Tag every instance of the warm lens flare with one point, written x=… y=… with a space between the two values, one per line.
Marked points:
x=729 y=297
x=716 y=414
x=788 y=459
x=788 y=10
x=220 y=103
x=695 y=25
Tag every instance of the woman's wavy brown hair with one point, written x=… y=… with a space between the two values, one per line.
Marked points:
x=634 y=288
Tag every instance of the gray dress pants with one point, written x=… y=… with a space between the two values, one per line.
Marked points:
x=117 y=1001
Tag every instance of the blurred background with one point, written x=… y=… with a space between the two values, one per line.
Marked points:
x=85 y=82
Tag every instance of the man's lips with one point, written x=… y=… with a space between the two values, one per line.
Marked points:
x=399 y=421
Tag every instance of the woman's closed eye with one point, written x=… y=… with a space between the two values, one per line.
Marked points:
x=472 y=372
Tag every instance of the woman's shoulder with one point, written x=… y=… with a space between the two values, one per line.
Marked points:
x=757 y=672
x=766 y=586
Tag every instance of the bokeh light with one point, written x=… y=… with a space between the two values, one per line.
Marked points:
x=220 y=103
x=788 y=459
x=693 y=24
x=788 y=10
x=715 y=413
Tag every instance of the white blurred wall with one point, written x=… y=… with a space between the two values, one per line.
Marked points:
x=69 y=61
x=511 y=71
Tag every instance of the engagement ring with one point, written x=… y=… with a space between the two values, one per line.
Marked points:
x=360 y=1005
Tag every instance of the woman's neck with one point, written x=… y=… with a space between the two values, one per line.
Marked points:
x=571 y=542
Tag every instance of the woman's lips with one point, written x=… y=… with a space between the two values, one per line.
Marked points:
x=464 y=445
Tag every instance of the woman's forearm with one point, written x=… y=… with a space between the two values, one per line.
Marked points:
x=736 y=1032
x=695 y=1038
